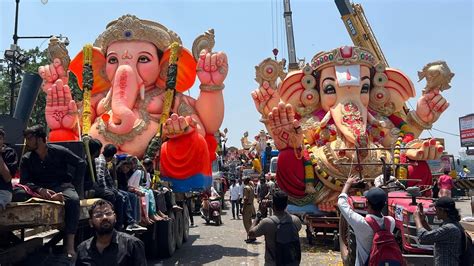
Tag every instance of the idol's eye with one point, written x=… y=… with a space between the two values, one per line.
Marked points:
x=329 y=89
x=365 y=88
x=143 y=59
x=112 y=60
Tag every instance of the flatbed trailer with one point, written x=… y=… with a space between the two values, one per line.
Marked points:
x=44 y=215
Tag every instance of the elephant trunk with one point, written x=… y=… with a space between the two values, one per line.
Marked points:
x=350 y=118
x=124 y=95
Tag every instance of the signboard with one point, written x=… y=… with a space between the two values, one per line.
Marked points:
x=466 y=130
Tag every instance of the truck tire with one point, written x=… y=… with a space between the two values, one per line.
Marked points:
x=347 y=243
x=179 y=227
x=186 y=223
x=166 y=237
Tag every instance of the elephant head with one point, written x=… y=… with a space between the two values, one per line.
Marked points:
x=133 y=50
x=336 y=85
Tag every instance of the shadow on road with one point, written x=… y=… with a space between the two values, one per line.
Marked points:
x=201 y=254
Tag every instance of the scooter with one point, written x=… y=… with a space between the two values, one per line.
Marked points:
x=211 y=210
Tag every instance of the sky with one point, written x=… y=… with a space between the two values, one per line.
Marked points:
x=411 y=34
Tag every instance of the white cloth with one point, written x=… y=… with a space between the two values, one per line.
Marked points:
x=135 y=179
x=392 y=185
x=234 y=192
x=363 y=232
x=214 y=193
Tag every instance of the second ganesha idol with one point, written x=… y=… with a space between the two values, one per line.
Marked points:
x=130 y=64
x=344 y=99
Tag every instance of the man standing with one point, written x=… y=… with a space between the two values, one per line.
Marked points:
x=109 y=247
x=447 y=237
x=268 y=226
x=234 y=198
x=45 y=170
x=376 y=201
x=248 y=209
x=8 y=167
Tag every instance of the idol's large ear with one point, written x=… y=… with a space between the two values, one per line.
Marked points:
x=101 y=82
x=399 y=82
x=186 y=70
x=299 y=90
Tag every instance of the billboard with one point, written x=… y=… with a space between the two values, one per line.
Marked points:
x=466 y=130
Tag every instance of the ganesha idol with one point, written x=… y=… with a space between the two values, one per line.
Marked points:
x=130 y=61
x=337 y=117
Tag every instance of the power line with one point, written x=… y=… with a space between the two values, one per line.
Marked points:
x=448 y=133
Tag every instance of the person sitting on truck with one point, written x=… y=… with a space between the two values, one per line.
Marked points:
x=104 y=186
x=388 y=181
x=376 y=201
x=44 y=169
x=108 y=246
x=124 y=171
x=138 y=183
x=8 y=167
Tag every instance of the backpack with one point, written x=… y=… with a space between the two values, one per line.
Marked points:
x=288 y=249
x=385 y=249
x=467 y=249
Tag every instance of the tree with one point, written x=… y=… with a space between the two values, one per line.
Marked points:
x=37 y=58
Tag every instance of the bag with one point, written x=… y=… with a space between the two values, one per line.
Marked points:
x=467 y=251
x=385 y=250
x=288 y=249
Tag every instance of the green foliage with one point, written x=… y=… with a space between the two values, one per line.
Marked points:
x=37 y=58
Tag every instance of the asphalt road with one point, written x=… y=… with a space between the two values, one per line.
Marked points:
x=224 y=245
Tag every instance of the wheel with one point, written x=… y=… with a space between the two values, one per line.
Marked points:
x=185 y=223
x=335 y=244
x=347 y=243
x=166 y=237
x=309 y=236
x=179 y=227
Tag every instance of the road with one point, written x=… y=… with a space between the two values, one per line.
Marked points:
x=224 y=245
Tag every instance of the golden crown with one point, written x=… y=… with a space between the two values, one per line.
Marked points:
x=346 y=55
x=131 y=28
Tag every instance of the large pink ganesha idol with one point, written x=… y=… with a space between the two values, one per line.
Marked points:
x=130 y=67
x=344 y=100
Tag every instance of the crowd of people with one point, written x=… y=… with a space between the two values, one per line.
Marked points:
x=53 y=172
x=131 y=200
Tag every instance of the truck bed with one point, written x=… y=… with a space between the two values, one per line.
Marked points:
x=37 y=212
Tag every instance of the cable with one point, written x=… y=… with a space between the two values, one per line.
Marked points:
x=448 y=133
x=273 y=29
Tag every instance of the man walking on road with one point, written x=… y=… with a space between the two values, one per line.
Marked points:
x=268 y=227
x=248 y=209
x=234 y=198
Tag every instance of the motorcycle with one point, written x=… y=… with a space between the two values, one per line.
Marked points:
x=211 y=210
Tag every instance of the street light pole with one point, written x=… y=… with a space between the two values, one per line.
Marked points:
x=15 y=62
x=13 y=69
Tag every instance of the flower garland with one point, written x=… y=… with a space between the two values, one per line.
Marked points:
x=404 y=136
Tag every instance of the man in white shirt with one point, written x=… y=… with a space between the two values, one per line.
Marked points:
x=376 y=200
x=387 y=180
x=234 y=198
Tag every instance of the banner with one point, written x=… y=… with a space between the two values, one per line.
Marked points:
x=466 y=130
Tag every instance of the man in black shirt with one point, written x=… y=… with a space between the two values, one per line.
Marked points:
x=108 y=246
x=45 y=170
x=8 y=167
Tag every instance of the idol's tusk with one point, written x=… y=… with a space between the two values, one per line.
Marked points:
x=325 y=119
x=142 y=91
x=374 y=121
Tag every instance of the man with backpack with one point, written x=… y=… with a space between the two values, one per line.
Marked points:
x=452 y=246
x=282 y=244
x=376 y=244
